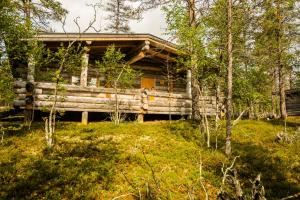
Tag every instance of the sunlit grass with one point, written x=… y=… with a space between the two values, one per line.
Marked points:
x=102 y=161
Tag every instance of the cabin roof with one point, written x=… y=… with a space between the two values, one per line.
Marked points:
x=136 y=46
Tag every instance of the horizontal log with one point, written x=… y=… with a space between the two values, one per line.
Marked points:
x=171 y=104
x=166 y=94
x=95 y=95
x=76 y=106
x=172 y=109
x=77 y=99
x=93 y=110
x=167 y=99
x=167 y=112
x=74 y=88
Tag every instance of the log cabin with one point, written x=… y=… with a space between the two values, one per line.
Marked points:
x=86 y=91
x=292 y=102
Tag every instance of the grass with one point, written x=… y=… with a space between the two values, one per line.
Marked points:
x=153 y=159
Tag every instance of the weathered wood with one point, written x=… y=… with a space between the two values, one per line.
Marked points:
x=171 y=104
x=165 y=94
x=77 y=99
x=160 y=55
x=136 y=58
x=140 y=118
x=154 y=41
x=145 y=45
x=168 y=112
x=84 y=69
x=84 y=118
x=88 y=99
x=85 y=105
x=292 y=101
x=189 y=83
x=75 y=88
x=172 y=109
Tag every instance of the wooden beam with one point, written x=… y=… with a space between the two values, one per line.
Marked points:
x=160 y=55
x=138 y=53
x=136 y=58
x=145 y=45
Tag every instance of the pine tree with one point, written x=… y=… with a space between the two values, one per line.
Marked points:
x=276 y=38
x=39 y=13
x=120 y=13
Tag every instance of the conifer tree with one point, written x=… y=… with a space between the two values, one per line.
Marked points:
x=276 y=41
x=120 y=13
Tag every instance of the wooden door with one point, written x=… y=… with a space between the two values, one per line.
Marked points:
x=148 y=83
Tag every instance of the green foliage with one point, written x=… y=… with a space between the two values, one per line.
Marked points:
x=38 y=14
x=105 y=161
x=65 y=59
x=6 y=86
x=117 y=73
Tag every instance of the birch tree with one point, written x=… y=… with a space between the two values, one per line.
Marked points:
x=229 y=79
x=118 y=74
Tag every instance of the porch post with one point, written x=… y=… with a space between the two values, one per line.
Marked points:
x=84 y=68
x=189 y=87
x=140 y=118
x=189 y=83
x=83 y=80
x=30 y=69
x=84 y=119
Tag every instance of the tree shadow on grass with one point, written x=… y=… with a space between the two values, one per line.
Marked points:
x=255 y=159
x=70 y=171
x=280 y=122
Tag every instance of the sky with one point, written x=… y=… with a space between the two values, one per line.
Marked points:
x=153 y=21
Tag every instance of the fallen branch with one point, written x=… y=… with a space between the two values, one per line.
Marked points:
x=129 y=182
x=236 y=121
x=227 y=170
x=152 y=171
x=284 y=137
x=202 y=185
x=292 y=196
x=223 y=195
x=258 y=190
x=124 y=195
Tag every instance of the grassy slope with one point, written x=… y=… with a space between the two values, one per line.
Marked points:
x=101 y=161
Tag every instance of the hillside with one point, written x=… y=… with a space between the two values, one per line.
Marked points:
x=153 y=159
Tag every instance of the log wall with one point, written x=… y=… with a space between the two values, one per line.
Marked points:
x=92 y=99
x=292 y=101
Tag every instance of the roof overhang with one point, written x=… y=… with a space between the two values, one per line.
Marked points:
x=141 y=45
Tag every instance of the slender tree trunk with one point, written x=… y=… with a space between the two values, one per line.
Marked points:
x=229 y=80
x=206 y=123
x=117 y=112
x=281 y=76
x=283 y=113
x=217 y=105
x=27 y=12
x=118 y=17
x=195 y=94
x=274 y=95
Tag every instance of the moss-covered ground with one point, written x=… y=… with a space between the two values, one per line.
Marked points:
x=150 y=160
